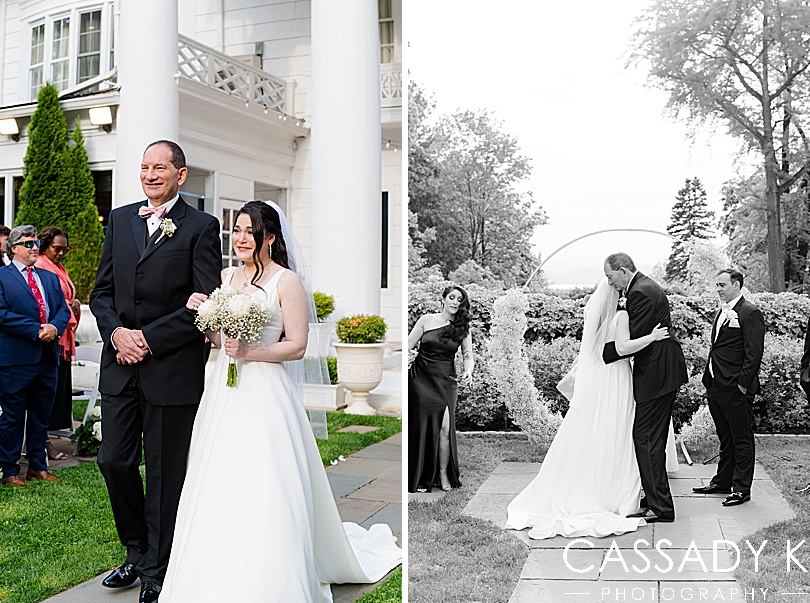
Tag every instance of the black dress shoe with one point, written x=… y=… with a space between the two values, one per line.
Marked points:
x=150 y=591
x=650 y=517
x=712 y=488
x=736 y=498
x=122 y=576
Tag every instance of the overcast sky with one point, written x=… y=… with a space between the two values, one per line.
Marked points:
x=604 y=153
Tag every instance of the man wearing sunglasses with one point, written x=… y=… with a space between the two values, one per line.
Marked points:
x=33 y=315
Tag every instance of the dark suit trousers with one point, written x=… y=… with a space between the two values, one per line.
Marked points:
x=733 y=414
x=145 y=523
x=650 y=429
x=31 y=390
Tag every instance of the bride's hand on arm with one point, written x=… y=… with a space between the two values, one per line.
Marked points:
x=626 y=346
x=194 y=301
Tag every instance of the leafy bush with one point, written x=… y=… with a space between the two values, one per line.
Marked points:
x=510 y=370
x=471 y=272
x=324 y=305
x=699 y=434
x=331 y=365
x=480 y=404
x=781 y=405
x=549 y=363
x=550 y=317
x=361 y=328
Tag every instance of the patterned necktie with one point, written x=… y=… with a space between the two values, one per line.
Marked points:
x=37 y=295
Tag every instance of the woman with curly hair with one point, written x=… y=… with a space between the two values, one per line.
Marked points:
x=432 y=392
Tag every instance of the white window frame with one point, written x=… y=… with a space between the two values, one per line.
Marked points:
x=106 y=51
x=389 y=47
x=41 y=64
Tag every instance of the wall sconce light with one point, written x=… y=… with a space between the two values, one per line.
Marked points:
x=9 y=127
x=101 y=116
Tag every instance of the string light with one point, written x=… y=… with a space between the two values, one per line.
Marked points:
x=390 y=146
x=247 y=103
x=265 y=109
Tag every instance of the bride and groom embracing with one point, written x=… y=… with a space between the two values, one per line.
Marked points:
x=237 y=504
x=613 y=440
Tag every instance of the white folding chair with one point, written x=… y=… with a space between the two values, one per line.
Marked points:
x=86 y=353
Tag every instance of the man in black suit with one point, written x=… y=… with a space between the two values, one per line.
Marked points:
x=33 y=315
x=658 y=371
x=156 y=254
x=731 y=378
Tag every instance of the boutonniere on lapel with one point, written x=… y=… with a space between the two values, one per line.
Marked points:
x=622 y=305
x=733 y=321
x=168 y=228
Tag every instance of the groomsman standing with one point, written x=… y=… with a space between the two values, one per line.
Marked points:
x=731 y=378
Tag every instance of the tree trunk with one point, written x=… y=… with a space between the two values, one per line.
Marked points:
x=776 y=256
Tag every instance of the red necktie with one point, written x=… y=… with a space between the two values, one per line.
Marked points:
x=37 y=295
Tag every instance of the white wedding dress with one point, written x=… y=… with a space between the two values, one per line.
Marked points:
x=257 y=521
x=589 y=481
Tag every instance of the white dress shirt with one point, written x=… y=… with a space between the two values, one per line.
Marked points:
x=24 y=271
x=153 y=222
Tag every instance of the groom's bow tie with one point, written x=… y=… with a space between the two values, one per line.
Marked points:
x=147 y=210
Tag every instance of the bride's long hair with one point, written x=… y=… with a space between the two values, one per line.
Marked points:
x=264 y=221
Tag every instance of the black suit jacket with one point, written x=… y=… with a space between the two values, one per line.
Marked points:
x=659 y=368
x=145 y=286
x=736 y=353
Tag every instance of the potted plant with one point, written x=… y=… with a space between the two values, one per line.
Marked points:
x=320 y=333
x=360 y=358
x=329 y=396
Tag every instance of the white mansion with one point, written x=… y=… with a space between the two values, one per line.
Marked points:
x=297 y=101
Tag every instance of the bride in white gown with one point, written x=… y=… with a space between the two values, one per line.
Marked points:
x=257 y=521
x=589 y=481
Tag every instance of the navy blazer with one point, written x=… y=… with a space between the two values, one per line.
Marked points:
x=19 y=317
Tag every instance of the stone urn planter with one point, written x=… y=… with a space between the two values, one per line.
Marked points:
x=360 y=369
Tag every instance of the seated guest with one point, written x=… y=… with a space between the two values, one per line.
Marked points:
x=53 y=247
x=33 y=315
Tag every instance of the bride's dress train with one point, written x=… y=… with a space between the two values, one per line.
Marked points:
x=257 y=521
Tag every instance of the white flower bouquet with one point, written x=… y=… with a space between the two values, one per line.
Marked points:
x=235 y=312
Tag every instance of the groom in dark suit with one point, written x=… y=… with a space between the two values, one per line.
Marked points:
x=658 y=371
x=156 y=254
x=731 y=378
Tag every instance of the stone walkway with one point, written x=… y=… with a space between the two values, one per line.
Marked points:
x=367 y=487
x=596 y=573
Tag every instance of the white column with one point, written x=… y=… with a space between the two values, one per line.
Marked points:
x=147 y=64
x=345 y=154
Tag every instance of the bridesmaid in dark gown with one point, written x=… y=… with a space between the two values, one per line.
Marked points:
x=432 y=392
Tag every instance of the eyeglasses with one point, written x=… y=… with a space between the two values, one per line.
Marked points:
x=27 y=244
x=60 y=249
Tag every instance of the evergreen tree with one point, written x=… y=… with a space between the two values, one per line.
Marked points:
x=41 y=192
x=80 y=218
x=690 y=220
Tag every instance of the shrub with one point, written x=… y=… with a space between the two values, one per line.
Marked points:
x=549 y=363
x=550 y=317
x=324 y=305
x=361 y=328
x=510 y=370
x=700 y=435
x=690 y=397
x=480 y=404
x=781 y=405
x=331 y=365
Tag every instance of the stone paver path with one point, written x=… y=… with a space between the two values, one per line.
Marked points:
x=367 y=487
x=595 y=570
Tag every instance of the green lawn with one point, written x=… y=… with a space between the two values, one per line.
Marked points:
x=54 y=537
x=389 y=591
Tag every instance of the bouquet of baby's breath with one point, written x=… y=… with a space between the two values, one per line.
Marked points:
x=239 y=314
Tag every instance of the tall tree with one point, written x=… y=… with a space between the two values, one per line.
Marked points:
x=42 y=188
x=690 y=220
x=80 y=217
x=482 y=214
x=423 y=168
x=744 y=62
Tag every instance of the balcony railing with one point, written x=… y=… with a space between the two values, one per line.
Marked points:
x=390 y=85
x=217 y=70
